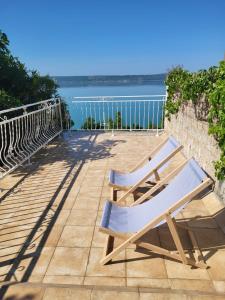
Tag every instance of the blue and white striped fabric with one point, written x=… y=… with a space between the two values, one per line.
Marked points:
x=132 y=219
x=130 y=179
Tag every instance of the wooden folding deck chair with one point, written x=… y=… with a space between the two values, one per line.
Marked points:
x=149 y=168
x=131 y=223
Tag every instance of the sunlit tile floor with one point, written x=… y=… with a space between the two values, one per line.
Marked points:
x=50 y=212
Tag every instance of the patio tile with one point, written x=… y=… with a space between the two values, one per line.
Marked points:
x=162 y=296
x=151 y=237
x=76 y=236
x=93 y=173
x=29 y=267
x=212 y=203
x=87 y=191
x=50 y=235
x=192 y=285
x=220 y=219
x=69 y=203
x=106 y=192
x=99 y=238
x=112 y=295
x=205 y=297
x=197 y=205
x=86 y=203
x=210 y=238
x=217 y=265
x=199 y=219
x=13 y=236
x=82 y=217
x=60 y=279
x=81 y=214
x=167 y=242
x=15 y=221
x=54 y=236
x=99 y=218
x=104 y=281
x=115 y=269
x=92 y=182
x=139 y=264
x=68 y=261
x=62 y=217
x=21 y=291
x=180 y=271
x=219 y=286
x=8 y=253
x=6 y=272
x=57 y=293
x=148 y=282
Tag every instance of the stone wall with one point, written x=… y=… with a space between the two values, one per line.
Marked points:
x=193 y=135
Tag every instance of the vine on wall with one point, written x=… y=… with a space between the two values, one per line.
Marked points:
x=206 y=90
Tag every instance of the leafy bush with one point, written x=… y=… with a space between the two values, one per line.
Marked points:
x=206 y=86
x=216 y=118
x=7 y=101
x=18 y=86
x=18 y=82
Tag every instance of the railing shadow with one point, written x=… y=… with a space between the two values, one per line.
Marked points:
x=30 y=209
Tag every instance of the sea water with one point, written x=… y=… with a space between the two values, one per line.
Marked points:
x=134 y=113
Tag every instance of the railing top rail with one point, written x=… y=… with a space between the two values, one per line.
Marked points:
x=109 y=97
x=118 y=101
x=5 y=121
x=27 y=105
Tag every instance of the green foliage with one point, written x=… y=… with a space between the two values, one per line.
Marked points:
x=67 y=123
x=115 y=123
x=118 y=120
x=18 y=86
x=4 y=42
x=18 y=82
x=204 y=85
x=175 y=81
x=90 y=124
x=216 y=118
x=184 y=86
x=110 y=123
x=151 y=125
x=7 y=101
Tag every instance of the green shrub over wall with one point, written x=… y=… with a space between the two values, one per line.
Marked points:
x=206 y=90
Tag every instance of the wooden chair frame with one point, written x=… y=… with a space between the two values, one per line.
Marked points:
x=110 y=253
x=131 y=189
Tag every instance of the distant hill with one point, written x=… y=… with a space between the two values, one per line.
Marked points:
x=104 y=80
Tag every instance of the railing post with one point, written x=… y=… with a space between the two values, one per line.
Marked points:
x=60 y=113
x=103 y=112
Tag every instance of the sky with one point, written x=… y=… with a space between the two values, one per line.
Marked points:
x=110 y=37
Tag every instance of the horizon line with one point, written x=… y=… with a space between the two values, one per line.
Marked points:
x=108 y=75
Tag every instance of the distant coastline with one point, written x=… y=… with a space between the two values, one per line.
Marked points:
x=109 y=80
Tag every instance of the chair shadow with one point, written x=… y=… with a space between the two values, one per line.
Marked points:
x=30 y=209
x=209 y=235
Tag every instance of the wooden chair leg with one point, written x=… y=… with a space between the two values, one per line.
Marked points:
x=114 y=195
x=108 y=245
x=174 y=232
x=200 y=259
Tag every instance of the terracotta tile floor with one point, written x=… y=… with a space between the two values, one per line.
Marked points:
x=49 y=239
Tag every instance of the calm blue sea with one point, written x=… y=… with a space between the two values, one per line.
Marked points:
x=79 y=112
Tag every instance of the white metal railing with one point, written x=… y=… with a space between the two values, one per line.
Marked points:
x=26 y=129
x=142 y=112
